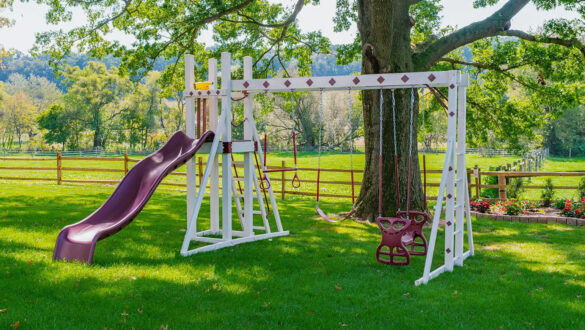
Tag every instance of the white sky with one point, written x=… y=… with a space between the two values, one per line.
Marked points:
x=30 y=20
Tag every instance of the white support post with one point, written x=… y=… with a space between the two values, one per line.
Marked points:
x=248 y=156
x=226 y=158
x=462 y=193
x=450 y=188
x=437 y=216
x=214 y=175
x=190 y=130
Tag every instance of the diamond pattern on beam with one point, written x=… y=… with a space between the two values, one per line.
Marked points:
x=332 y=81
x=246 y=84
x=432 y=77
x=217 y=92
x=309 y=82
x=449 y=223
x=266 y=84
x=404 y=78
x=450 y=168
x=208 y=93
x=287 y=83
x=449 y=196
x=199 y=93
x=451 y=113
x=380 y=79
x=448 y=250
x=356 y=80
x=451 y=86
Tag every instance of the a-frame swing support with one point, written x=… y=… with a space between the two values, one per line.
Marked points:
x=453 y=189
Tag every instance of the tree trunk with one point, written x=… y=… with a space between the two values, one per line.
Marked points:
x=384 y=28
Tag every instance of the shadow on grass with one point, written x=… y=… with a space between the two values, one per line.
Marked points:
x=322 y=275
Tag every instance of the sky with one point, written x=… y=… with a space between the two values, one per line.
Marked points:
x=30 y=20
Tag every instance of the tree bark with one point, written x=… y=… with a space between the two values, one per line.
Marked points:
x=384 y=28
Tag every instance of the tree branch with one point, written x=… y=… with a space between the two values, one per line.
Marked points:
x=547 y=40
x=491 y=26
x=484 y=65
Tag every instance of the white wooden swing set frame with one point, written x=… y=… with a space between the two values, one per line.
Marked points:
x=453 y=188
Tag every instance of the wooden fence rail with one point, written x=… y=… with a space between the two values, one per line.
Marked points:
x=474 y=175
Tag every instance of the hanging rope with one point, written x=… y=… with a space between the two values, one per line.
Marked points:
x=350 y=105
x=320 y=133
x=296 y=182
x=265 y=183
x=424 y=151
x=410 y=133
x=396 y=170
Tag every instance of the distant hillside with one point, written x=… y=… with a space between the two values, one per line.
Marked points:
x=323 y=65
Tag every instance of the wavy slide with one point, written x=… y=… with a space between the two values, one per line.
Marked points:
x=77 y=241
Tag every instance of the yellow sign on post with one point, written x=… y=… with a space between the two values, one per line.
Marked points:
x=204 y=86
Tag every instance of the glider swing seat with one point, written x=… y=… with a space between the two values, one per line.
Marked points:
x=399 y=232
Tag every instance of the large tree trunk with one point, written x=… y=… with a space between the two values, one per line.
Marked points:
x=384 y=27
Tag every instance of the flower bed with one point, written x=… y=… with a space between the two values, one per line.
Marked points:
x=565 y=212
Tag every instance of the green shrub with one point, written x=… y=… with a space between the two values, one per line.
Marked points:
x=559 y=204
x=514 y=188
x=548 y=193
x=514 y=208
x=581 y=188
x=491 y=180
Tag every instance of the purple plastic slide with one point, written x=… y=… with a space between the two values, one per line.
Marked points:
x=77 y=241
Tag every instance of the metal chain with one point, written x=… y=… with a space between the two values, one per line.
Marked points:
x=381 y=106
x=320 y=131
x=292 y=109
x=394 y=122
x=350 y=129
x=266 y=113
x=411 y=121
x=422 y=101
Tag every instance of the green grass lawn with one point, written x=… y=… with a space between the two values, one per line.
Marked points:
x=557 y=164
x=321 y=276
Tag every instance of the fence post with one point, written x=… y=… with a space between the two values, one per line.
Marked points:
x=59 y=176
x=282 y=181
x=125 y=164
x=200 y=166
x=468 y=184
x=502 y=186
x=476 y=175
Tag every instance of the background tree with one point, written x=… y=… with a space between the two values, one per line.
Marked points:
x=565 y=136
x=142 y=108
x=94 y=90
x=18 y=113
x=57 y=123
x=394 y=36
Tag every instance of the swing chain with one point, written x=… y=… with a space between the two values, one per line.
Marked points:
x=380 y=162
x=393 y=122
x=411 y=121
x=350 y=105
x=320 y=133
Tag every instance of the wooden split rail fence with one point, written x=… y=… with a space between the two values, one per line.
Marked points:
x=474 y=175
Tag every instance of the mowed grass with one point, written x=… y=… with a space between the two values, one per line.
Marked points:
x=557 y=164
x=321 y=276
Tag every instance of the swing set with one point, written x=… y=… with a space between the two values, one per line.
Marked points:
x=402 y=234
